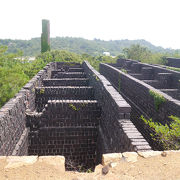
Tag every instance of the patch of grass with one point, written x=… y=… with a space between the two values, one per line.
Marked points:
x=173 y=68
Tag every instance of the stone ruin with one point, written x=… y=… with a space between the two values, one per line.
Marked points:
x=70 y=109
x=135 y=81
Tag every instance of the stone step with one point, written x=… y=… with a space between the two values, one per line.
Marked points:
x=76 y=70
x=43 y=94
x=66 y=82
x=59 y=74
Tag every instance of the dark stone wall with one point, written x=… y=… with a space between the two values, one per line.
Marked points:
x=150 y=72
x=173 y=62
x=21 y=148
x=13 y=135
x=12 y=124
x=66 y=127
x=137 y=94
x=117 y=132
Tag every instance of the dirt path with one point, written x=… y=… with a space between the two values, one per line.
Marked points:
x=153 y=168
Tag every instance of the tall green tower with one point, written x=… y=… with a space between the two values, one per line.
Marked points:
x=45 y=36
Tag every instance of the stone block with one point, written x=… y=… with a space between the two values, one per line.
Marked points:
x=56 y=161
x=3 y=158
x=130 y=156
x=18 y=161
x=111 y=158
x=148 y=154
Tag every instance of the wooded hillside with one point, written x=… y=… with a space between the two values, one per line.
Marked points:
x=79 y=45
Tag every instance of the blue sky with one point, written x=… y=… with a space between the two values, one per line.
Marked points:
x=156 y=21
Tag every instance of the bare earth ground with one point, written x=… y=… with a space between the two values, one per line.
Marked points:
x=158 y=168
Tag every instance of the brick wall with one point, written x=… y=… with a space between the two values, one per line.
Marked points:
x=66 y=82
x=117 y=132
x=43 y=94
x=68 y=128
x=174 y=62
x=13 y=135
x=154 y=71
x=12 y=124
x=137 y=94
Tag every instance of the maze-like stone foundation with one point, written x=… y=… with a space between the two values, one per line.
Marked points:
x=135 y=87
x=69 y=109
x=68 y=119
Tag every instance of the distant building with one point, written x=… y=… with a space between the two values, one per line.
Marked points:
x=106 y=53
x=29 y=59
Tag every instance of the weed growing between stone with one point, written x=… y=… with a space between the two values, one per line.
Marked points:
x=74 y=107
x=42 y=91
x=96 y=77
x=124 y=70
x=70 y=165
x=169 y=136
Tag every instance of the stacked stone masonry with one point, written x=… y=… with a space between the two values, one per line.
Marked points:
x=68 y=109
x=173 y=62
x=135 y=86
x=115 y=111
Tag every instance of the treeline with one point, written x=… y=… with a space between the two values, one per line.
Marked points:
x=79 y=45
x=15 y=72
x=143 y=54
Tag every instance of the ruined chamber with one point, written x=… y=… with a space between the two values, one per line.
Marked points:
x=69 y=109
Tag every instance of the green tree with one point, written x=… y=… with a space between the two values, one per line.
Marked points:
x=143 y=54
x=137 y=52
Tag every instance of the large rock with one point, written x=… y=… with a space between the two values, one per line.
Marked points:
x=110 y=158
x=105 y=169
x=18 y=161
x=130 y=156
x=148 y=154
x=56 y=161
